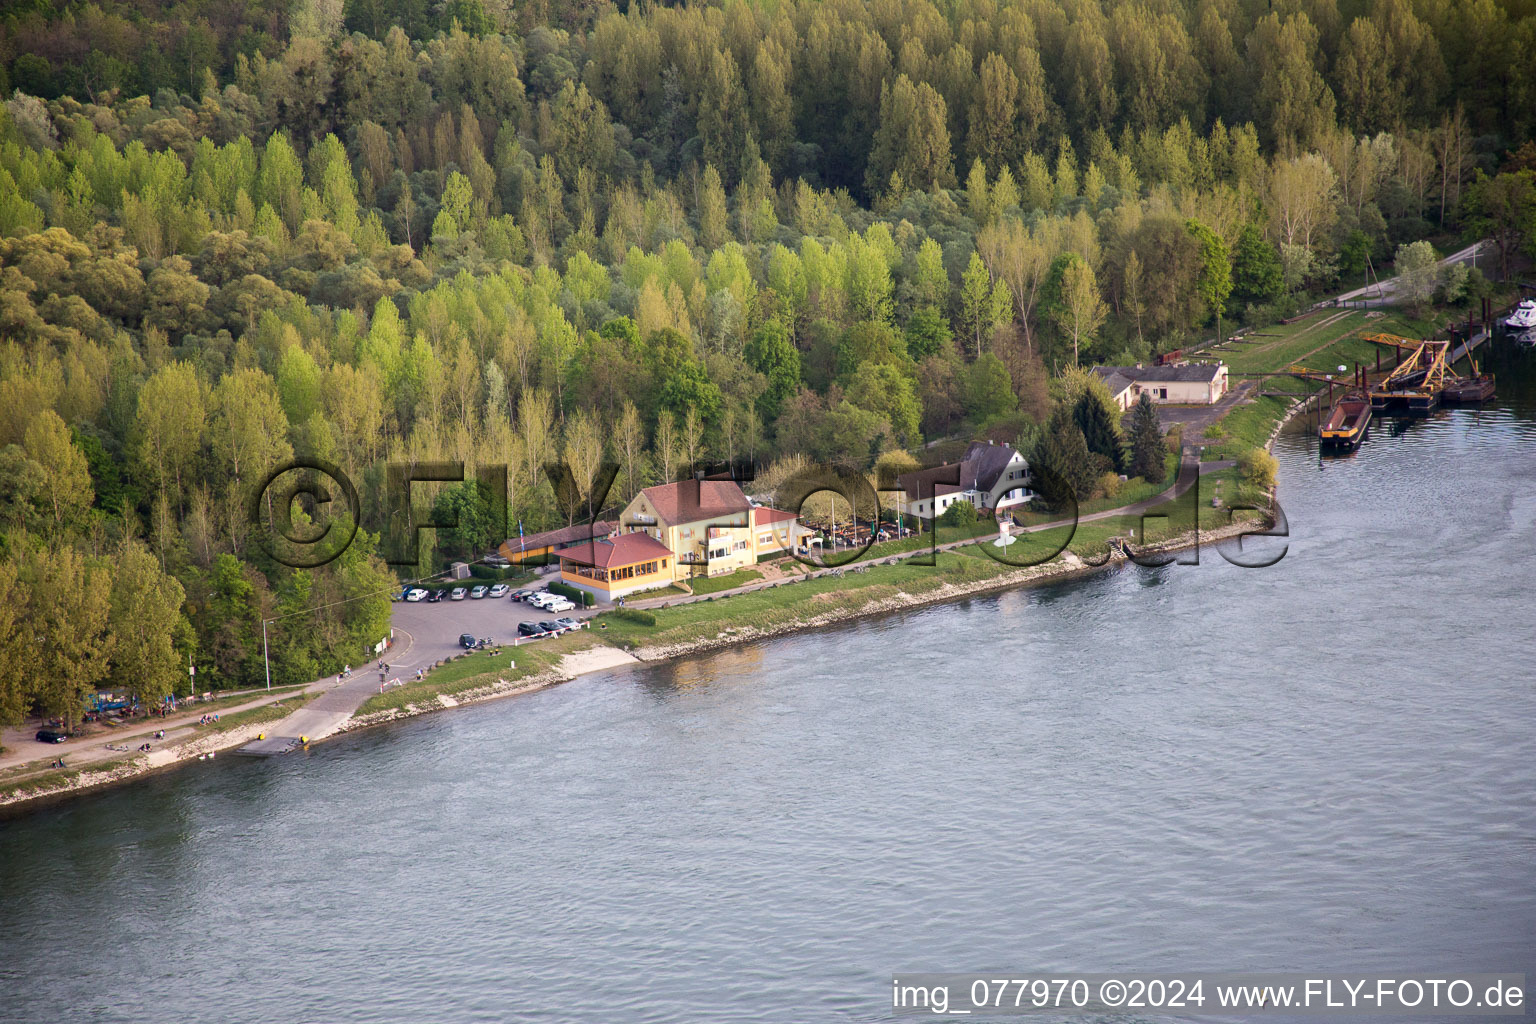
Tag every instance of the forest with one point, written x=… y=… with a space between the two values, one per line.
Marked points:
x=383 y=231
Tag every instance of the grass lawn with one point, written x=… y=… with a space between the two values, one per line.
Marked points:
x=796 y=600
x=477 y=668
x=715 y=584
x=266 y=713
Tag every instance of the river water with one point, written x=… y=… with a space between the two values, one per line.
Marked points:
x=1327 y=764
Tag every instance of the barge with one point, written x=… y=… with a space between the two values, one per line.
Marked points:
x=1347 y=425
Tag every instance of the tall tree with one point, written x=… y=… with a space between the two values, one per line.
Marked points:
x=1149 y=453
x=912 y=140
x=145 y=621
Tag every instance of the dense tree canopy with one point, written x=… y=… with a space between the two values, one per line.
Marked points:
x=386 y=231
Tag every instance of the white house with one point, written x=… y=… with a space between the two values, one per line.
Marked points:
x=991 y=477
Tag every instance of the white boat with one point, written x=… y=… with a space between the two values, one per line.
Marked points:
x=1524 y=316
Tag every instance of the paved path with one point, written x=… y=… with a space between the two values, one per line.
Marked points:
x=337 y=702
x=318 y=718
x=1189 y=471
x=327 y=712
x=1384 y=293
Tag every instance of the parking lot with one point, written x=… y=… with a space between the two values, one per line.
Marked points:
x=436 y=627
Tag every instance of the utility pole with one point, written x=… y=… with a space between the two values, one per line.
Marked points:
x=264 y=656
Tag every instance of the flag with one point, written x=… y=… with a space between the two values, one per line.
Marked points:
x=520 y=545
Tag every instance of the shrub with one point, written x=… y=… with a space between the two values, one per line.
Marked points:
x=1258 y=468
x=576 y=594
x=960 y=513
x=1110 y=484
x=634 y=615
x=491 y=572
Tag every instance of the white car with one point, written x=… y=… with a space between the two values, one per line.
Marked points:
x=539 y=597
x=499 y=591
x=416 y=594
x=457 y=595
x=558 y=604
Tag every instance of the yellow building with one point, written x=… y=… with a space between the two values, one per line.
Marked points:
x=710 y=526
x=611 y=567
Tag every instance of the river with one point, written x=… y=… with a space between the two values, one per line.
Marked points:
x=1322 y=765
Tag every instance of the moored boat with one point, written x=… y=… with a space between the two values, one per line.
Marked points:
x=1524 y=316
x=1478 y=388
x=1347 y=424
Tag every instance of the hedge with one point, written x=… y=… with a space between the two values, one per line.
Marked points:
x=576 y=594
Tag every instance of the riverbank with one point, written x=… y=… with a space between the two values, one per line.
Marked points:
x=49 y=784
x=811 y=602
x=604 y=657
x=705 y=626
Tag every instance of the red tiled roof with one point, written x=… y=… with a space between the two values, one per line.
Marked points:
x=689 y=501
x=763 y=516
x=555 y=538
x=625 y=549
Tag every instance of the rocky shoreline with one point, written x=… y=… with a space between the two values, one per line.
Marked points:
x=1067 y=568
x=1070 y=567
x=140 y=765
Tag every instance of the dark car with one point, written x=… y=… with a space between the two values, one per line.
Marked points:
x=521 y=595
x=551 y=628
x=528 y=629
x=51 y=736
x=468 y=641
x=435 y=596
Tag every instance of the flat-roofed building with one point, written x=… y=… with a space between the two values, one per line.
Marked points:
x=1171 y=384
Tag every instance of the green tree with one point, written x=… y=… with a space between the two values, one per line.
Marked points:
x=989 y=389
x=770 y=352
x=1215 y=281
x=68 y=617
x=18 y=645
x=65 y=473
x=884 y=389
x=1100 y=427
x=1256 y=272
x=1149 y=453
x=1416 y=265
x=145 y=622
x=1073 y=302
x=1068 y=468
x=912 y=140
x=1504 y=208
x=169 y=423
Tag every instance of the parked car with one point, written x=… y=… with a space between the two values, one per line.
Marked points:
x=553 y=628
x=468 y=641
x=51 y=736
x=498 y=591
x=521 y=595
x=497 y=560
x=458 y=594
x=538 y=597
x=529 y=629
x=416 y=594
x=556 y=603
x=568 y=623
x=436 y=596
x=477 y=593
